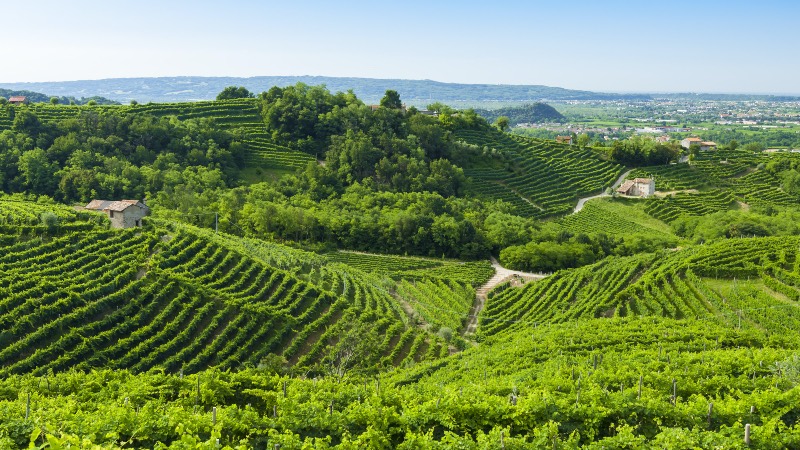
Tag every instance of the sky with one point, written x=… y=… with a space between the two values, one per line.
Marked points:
x=599 y=45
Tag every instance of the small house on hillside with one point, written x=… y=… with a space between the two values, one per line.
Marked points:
x=18 y=100
x=638 y=187
x=703 y=145
x=121 y=213
x=564 y=140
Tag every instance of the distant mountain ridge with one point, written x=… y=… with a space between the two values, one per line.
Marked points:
x=37 y=97
x=413 y=92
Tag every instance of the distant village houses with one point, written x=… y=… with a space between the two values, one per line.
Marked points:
x=703 y=145
x=121 y=213
x=18 y=100
x=638 y=187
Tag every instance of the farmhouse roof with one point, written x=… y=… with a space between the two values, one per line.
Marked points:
x=17 y=98
x=113 y=205
x=694 y=139
x=626 y=186
x=709 y=143
x=642 y=180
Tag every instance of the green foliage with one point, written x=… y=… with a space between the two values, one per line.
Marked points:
x=391 y=100
x=233 y=92
x=640 y=151
x=530 y=113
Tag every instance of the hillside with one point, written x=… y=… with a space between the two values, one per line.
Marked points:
x=185 y=299
x=313 y=270
x=533 y=113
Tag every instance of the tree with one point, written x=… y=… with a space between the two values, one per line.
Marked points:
x=92 y=103
x=134 y=103
x=3 y=100
x=391 y=100
x=501 y=123
x=53 y=100
x=232 y=92
x=583 y=140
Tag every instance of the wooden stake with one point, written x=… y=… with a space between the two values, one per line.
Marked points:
x=674 y=392
x=639 y=396
x=710 y=412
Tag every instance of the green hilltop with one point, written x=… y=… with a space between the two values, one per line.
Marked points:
x=318 y=273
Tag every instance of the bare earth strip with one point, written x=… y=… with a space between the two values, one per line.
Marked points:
x=501 y=274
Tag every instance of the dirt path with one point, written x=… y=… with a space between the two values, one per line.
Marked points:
x=616 y=184
x=501 y=274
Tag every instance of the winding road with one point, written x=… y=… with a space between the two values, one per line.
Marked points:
x=616 y=184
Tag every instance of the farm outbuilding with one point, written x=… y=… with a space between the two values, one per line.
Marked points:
x=638 y=187
x=18 y=100
x=121 y=213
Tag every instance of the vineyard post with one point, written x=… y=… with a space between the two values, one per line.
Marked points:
x=284 y=389
x=330 y=410
x=752 y=410
x=710 y=412
x=216 y=222
x=674 y=392
x=639 y=395
x=274 y=411
x=502 y=445
x=214 y=416
x=594 y=364
x=747 y=434
x=28 y=407
x=197 y=394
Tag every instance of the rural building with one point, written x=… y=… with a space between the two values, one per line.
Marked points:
x=564 y=139
x=704 y=145
x=18 y=100
x=638 y=187
x=690 y=141
x=121 y=213
x=708 y=145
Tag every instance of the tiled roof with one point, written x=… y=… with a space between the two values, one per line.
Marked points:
x=111 y=205
x=17 y=98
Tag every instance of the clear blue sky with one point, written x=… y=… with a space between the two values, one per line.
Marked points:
x=602 y=45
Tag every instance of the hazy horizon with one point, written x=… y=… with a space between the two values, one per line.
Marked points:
x=618 y=46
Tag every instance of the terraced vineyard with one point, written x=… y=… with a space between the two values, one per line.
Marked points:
x=547 y=178
x=670 y=208
x=738 y=282
x=240 y=116
x=619 y=216
x=179 y=300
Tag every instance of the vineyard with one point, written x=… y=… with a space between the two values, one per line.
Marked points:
x=541 y=178
x=242 y=117
x=610 y=383
x=180 y=298
x=739 y=282
x=615 y=217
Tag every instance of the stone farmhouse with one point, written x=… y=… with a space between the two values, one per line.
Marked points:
x=18 y=100
x=564 y=140
x=638 y=187
x=121 y=213
x=704 y=145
